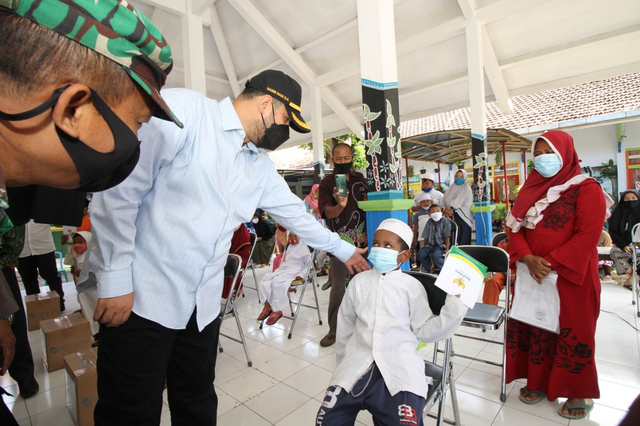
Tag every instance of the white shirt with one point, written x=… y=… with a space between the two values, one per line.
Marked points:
x=381 y=318
x=38 y=239
x=164 y=233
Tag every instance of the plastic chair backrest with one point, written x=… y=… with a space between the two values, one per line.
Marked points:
x=635 y=233
x=436 y=296
x=497 y=238
x=494 y=258
x=59 y=258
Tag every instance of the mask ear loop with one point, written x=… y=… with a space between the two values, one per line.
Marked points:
x=48 y=104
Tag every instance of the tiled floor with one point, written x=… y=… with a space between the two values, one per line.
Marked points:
x=286 y=383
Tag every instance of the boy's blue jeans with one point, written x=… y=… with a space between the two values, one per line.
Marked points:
x=429 y=253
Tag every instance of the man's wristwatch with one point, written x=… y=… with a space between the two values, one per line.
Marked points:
x=9 y=318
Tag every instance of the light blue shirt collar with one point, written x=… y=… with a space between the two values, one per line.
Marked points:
x=231 y=123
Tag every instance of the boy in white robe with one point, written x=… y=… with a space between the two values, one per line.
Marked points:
x=383 y=314
x=274 y=285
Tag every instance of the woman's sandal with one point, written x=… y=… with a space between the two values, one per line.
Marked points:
x=326 y=286
x=540 y=397
x=587 y=407
x=264 y=314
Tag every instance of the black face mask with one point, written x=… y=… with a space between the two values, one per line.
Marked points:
x=632 y=204
x=98 y=171
x=274 y=135
x=343 y=168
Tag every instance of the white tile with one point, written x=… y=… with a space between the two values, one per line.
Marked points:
x=241 y=416
x=225 y=402
x=510 y=416
x=58 y=416
x=303 y=415
x=19 y=409
x=285 y=344
x=282 y=367
x=311 y=380
x=260 y=355
x=47 y=400
x=312 y=330
x=329 y=362
x=270 y=402
x=474 y=411
x=614 y=354
x=616 y=373
x=229 y=369
x=248 y=385
x=51 y=380
x=616 y=396
x=481 y=384
x=365 y=418
x=312 y=352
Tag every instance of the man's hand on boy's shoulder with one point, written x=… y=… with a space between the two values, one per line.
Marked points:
x=357 y=263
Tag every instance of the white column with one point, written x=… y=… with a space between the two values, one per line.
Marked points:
x=193 y=48
x=476 y=78
x=317 y=135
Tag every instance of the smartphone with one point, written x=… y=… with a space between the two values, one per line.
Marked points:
x=341 y=185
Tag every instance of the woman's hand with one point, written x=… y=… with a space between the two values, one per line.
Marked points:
x=538 y=266
x=628 y=249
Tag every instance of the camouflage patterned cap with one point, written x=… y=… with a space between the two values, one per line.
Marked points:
x=112 y=28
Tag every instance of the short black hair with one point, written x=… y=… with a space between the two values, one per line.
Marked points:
x=433 y=205
x=341 y=144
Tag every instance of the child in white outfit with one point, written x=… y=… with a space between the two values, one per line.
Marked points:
x=274 y=285
x=383 y=314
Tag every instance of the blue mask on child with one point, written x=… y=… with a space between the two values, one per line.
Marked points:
x=547 y=165
x=427 y=189
x=383 y=259
x=459 y=181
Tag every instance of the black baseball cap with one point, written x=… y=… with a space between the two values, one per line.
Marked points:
x=285 y=89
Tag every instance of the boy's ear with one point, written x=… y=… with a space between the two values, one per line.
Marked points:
x=404 y=256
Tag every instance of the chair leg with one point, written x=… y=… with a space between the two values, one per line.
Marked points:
x=298 y=304
x=454 y=397
x=315 y=294
x=244 y=342
x=503 y=393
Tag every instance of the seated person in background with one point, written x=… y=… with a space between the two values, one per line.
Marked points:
x=624 y=217
x=605 y=241
x=81 y=240
x=421 y=217
x=274 y=285
x=266 y=240
x=494 y=285
x=385 y=373
x=437 y=238
x=240 y=245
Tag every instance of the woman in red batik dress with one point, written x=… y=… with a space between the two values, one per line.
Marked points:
x=556 y=222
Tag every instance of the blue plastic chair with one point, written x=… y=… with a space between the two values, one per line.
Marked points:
x=61 y=270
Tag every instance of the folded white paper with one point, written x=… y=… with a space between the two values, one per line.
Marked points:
x=462 y=274
x=536 y=304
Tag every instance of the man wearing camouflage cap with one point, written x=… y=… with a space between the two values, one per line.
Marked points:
x=77 y=79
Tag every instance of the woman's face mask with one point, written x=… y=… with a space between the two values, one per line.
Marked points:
x=547 y=165
x=632 y=204
x=255 y=220
x=459 y=181
x=79 y=248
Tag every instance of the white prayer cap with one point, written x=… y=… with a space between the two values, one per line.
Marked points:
x=429 y=176
x=422 y=196
x=399 y=228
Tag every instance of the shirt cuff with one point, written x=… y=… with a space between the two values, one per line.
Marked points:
x=114 y=283
x=344 y=251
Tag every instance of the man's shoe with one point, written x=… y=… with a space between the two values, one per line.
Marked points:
x=328 y=340
x=28 y=387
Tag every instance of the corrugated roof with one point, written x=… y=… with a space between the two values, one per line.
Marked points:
x=608 y=96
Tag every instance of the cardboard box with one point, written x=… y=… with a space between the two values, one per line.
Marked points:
x=41 y=307
x=81 y=380
x=63 y=336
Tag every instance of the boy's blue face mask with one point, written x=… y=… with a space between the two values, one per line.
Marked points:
x=547 y=165
x=383 y=259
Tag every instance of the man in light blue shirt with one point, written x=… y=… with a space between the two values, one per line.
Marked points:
x=161 y=239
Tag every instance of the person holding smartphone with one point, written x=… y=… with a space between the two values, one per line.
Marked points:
x=344 y=217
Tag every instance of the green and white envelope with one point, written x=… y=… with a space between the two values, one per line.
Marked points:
x=463 y=275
